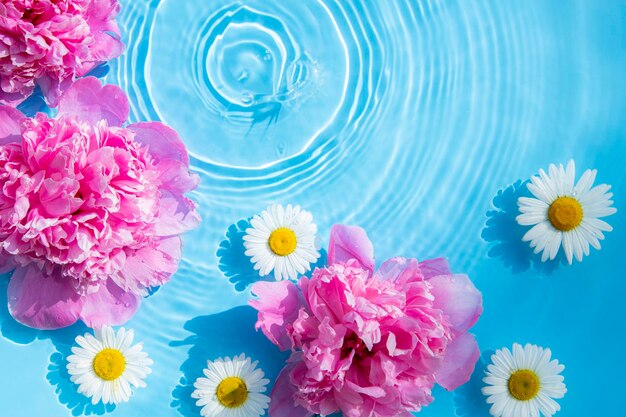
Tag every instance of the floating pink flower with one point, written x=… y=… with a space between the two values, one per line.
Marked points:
x=52 y=42
x=365 y=342
x=90 y=212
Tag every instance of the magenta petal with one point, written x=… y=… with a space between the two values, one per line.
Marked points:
x=277 y=304
x=110 y=305
x=10 y=130
x=176 y=177
x=162 y=141
x=6 y=264
x=350 y=242
x=459 y=299
x=152 y=265
x=282 y=403
x=433 y=267
x=90 y=102
x=177 y=214
x=458 y=364
x=42 y=301
x=14 y=99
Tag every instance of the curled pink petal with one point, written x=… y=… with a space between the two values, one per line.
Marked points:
x=459 y=362
x=178 y=214
x=277 y=304
x=434 y=267
x=282 y=403
x=42 y=301
x=350 y=242
x=162 y=141
x=459 y=299
x=10 y=121
x=151 y=265
x=110 y=305
x=89 y=101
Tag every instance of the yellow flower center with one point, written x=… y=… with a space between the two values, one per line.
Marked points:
x=282 y=241
x=232 y=392
x=565 y=213
x=524 y=385
x=109 y=364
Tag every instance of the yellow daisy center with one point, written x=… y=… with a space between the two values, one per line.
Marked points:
x=565 y=213
x=109 y=364
x=524 y=385
x=282 y=241
x=232 y=392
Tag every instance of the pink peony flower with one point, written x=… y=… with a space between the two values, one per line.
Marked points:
x=368 y=343
x=52 y=42
x=90 y=211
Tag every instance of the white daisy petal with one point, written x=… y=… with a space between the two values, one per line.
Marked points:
x=292 y=250
x=112 y=386
x=519 y=368
x=564 y=214
x=250 y=380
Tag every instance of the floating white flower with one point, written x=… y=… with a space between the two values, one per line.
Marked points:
x=282 y=240
x=232 y=388
x=523 y=383
x=105 y=366
x=565 y=214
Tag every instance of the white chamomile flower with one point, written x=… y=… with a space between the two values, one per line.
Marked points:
x=565 y=214
x=283 y=240
x=232 y=388
x=105 y=366
x=523 y=383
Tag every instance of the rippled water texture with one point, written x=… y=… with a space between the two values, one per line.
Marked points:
x=404 y=117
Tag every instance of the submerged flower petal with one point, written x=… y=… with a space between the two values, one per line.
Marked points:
x=350 y=242
x=43 y=301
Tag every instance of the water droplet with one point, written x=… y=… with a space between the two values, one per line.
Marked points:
x=247 y=98
x=267 y=56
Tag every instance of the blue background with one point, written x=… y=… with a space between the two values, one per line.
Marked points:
x=404 y=117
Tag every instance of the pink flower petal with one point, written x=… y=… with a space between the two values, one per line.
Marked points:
x=151 y=266
x=177 y=214
x=6 y=264
x=176 y=177
x=10 y=131
x=277 y=304
x=162 y=141
x=459 y=299
x=110 y=305
x=282 y=403
x=42 y=302
x=14 y=99
x=350 y=242
x=458 y=364
x=433 y=267
x=90 y=102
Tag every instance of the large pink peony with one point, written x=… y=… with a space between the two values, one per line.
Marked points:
x=90 y=211
x=51 y=42
x=365 y=342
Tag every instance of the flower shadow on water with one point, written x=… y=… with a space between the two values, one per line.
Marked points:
x=503 y=231
x=234 y=263
x=469 y=400
x=66 y=390
x=57 y=374
x=223 y=334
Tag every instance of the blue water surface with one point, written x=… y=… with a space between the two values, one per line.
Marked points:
x=417 y=120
